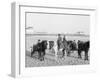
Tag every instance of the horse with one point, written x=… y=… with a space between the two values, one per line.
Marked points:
x=40 y=48
x=83 y=46
x=79 y=47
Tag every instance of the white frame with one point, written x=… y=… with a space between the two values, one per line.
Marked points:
x=18 y=40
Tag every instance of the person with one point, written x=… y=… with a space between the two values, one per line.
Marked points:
x=64 y=38
x=65 y=46
x=59 y=41
x=74 y=45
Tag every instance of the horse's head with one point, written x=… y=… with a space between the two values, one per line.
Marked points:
x=44 y=44
x=88 y=44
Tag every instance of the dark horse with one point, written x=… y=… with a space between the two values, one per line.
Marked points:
x=83 y=46
x=40 y=48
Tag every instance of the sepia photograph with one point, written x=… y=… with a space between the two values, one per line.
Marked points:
x=56 y=39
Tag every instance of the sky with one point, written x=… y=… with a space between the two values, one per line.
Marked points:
x=54 y=23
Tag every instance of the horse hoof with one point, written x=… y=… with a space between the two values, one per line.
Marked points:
x=41 y=59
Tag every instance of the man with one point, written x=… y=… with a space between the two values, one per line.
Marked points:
x=64 y=38
x=59 y=41
x=65 y=45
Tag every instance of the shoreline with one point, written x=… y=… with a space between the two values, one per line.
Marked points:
x=80 y=35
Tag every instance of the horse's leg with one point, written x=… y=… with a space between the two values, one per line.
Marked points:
x=68 y=50
x=39 y=54
x=58 y=47
x=79 y=54
x=68 y=53
x=63 y=51
x=86 y=55
x=32 y=53
x=43 y=55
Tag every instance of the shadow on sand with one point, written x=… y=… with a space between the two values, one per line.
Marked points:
x=28 y=53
